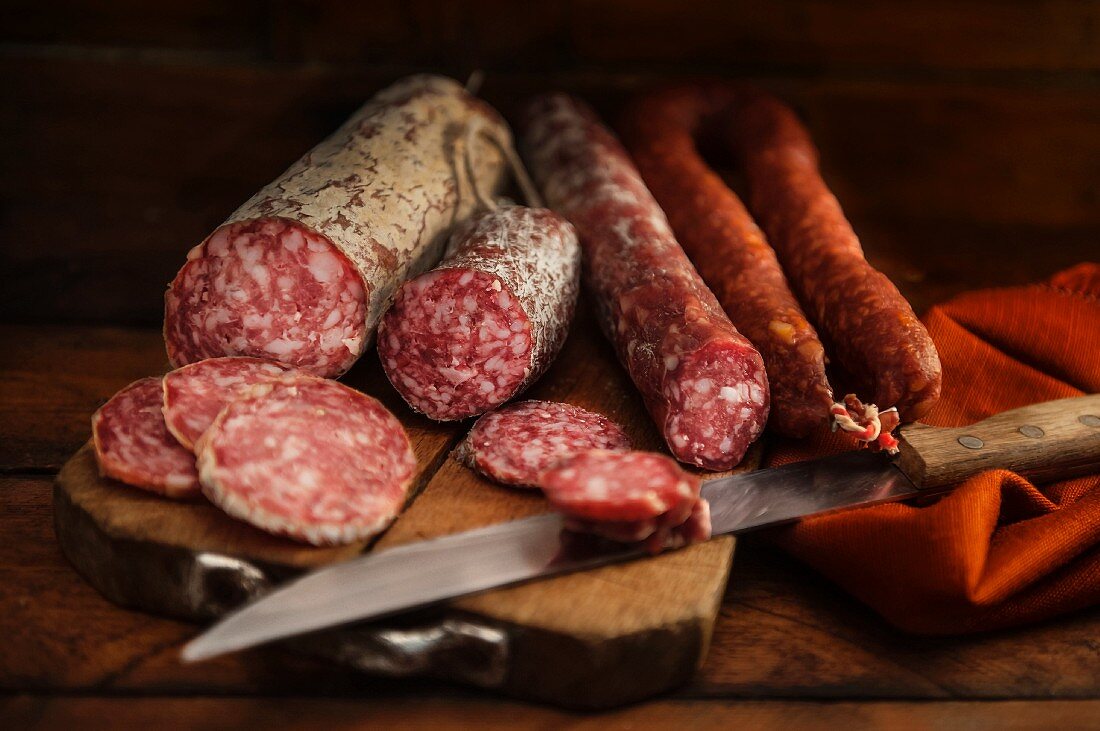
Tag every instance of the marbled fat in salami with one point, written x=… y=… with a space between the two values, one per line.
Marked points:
x=476 y=331
x=629 y=497
x=196 y=393
x=307 y=458
x=703 y=382
x=869 y=326
x=663 y=131
x=514 y=444
x=302 y=271
x=604 y=486
x=133 y=445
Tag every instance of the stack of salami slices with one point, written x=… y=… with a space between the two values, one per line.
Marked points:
x=290 y=453
x=583 y=463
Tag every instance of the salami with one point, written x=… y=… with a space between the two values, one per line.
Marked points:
x=133 y=445
x=702 y=381
x=514 y=444
x=604 y=486
x=303 y=270
x=477 y=330
x=869 y=326
x=194 y=394
x=629 y=497
x=661 y=131
x=307 y=458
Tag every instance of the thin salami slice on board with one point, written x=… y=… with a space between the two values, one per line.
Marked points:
x=133 y=445
x=196 y=393
x=303 y=270
x=599 y=485
x=480 y=328
x=656 y=534
x=514 y=444
x=309 y=459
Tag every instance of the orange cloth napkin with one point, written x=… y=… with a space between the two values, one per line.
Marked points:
x=998 y=551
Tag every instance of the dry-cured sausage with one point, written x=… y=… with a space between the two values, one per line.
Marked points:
x=478 y=329
x=514 y=444
x=133 y=445
x=703 y=382
x=868 y=326
x=662 y=131
x=195 y=393
x=307 y=458
x=303 y=270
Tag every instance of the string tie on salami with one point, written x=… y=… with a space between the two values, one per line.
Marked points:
x=464 y=164
x=866 y=423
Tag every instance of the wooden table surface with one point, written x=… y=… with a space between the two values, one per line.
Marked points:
x=788 y=647
x=115 y=162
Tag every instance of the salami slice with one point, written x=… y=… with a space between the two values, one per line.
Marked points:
x=480 y=328
x=703 y=383
x=194 y=394
x=696 y=529
x=663 y=131
x=309 y=459
x=656 y=534
x=600 y=485
x=303 y=270
x=133 y=445
x=869 y=326
x=514 y=444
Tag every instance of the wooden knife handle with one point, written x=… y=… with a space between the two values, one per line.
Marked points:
x=1046 y=441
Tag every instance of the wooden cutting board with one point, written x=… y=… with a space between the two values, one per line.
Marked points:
x=587 y=640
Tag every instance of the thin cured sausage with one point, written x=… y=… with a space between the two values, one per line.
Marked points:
x=194 y=394
x=514 y=444
x=662 y=132
x=703 y=382
x=869 y=326
x=133 y=445
x=307 y=458
x=302 y=271
x=478 y=329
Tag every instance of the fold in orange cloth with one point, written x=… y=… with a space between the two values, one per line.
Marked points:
x=998 y=551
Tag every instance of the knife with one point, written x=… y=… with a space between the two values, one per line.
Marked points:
x=1050 y=440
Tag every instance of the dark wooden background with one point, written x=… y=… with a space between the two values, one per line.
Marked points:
x=129 y=128
x=963 y=138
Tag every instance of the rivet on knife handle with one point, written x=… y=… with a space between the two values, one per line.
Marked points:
x=1045 y=441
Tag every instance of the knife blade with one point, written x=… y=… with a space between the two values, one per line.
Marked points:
x=426 y=572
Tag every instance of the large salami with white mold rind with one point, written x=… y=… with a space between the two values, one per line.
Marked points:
x=703 y=382
x=486 y=323
x=302 y=271
x=307 y=458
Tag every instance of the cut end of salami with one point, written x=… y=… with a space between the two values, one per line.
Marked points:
x=194 y=394
x=515 y=444
x=267 y=288
x=309 y=459
x=133 y=445
x=617 y=487
x=719 y=402
x=456 y=343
